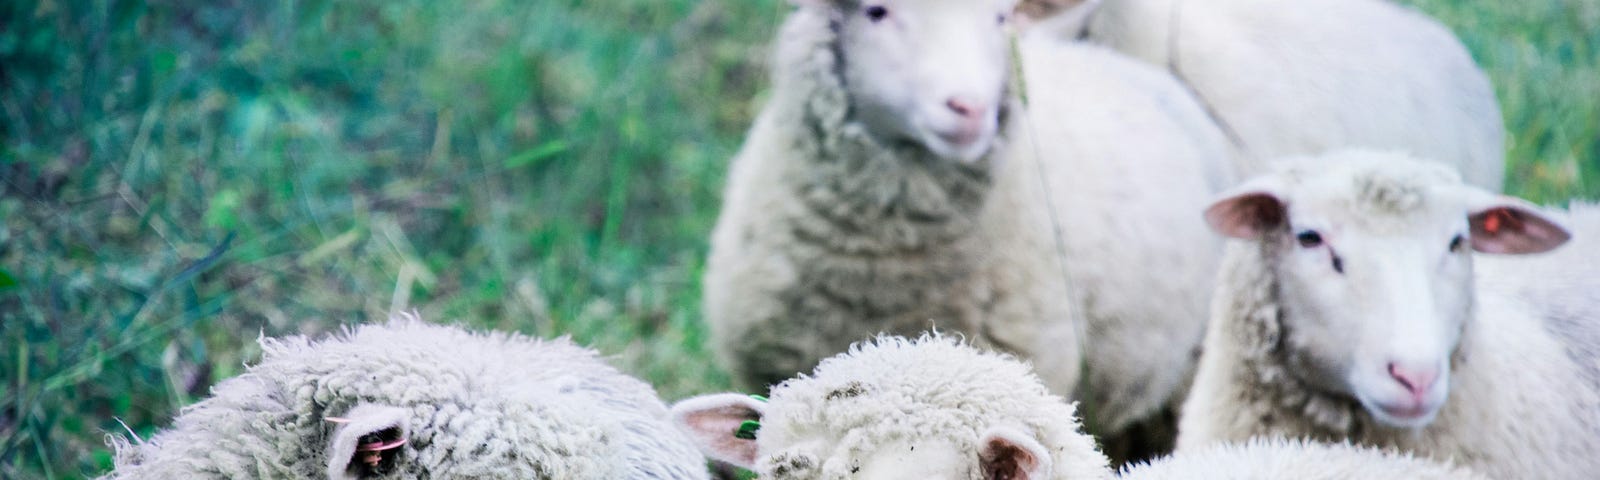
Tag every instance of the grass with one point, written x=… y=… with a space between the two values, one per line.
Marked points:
x=177 y=180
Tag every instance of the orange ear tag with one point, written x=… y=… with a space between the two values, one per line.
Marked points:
x=1491 y=224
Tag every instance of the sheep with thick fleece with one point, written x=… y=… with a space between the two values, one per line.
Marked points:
x=1311 y=76
x=1277 y=459
x=894 y=182
x=1355 y=310
x=934 y=408
x=408 y=400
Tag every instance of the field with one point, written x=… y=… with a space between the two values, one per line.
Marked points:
x=180 y=178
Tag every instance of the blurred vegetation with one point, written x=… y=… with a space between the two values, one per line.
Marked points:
x=178 y=178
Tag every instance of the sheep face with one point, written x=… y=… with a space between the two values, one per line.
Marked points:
x=928 y=72
x=788 y=452
x=1371 y=254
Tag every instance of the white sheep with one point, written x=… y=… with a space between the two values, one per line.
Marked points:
x=895 y=182
x=1356 y=310
x=416 y=401
x=1310 y=76
x=934 y=408
x=1276 y=459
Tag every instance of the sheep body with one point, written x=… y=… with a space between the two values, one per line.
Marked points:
x=1524 y=393
x=1271 y=459
x=827 y=238
x=1377 y=76
x=470 y=406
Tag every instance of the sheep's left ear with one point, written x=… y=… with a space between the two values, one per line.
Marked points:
x=1008 y=454
x=723 y=425
x=1250 y=209
x=366 y=441
x=1510 y=225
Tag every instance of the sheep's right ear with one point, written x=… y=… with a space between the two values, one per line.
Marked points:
x=366 y=441
x=1008 y=454
x=719 y=425
x=1249 y=210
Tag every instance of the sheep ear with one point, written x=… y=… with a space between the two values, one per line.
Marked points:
x=1008 y=454
x=366 y=441
x=718 y=425
x=1249 y=210
x=1509 y=225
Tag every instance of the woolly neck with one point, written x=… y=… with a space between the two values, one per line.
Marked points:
x=859 y=193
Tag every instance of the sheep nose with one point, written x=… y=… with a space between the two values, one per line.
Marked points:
x=1416 y=380
x=966 y=107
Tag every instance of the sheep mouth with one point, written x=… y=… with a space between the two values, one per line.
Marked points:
x=1409 y=413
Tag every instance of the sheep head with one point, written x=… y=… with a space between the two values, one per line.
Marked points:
x=1371 y=256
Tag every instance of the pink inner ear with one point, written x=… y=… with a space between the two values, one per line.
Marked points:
x=1245 y=216
x=1005 y=455
x=713 y=421
x=1514 y=230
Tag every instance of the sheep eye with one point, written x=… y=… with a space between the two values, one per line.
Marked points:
x=877 y=13
x=1000 y=19
x=1338 y=264
x=1457 y=242
x=1309 y=239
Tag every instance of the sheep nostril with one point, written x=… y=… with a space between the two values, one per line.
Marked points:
x=964 y=107
x=1416 y=381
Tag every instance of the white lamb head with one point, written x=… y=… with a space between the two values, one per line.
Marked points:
x=1371 y=253
x=899 y=409
x=930 y=72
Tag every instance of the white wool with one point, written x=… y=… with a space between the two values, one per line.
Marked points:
x=1275 y=459
x=827 y=237
x=1524 y=393
x=470 y=406
x=1309 y=76
x=922 y=406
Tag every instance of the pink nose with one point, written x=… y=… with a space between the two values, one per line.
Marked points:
x=967 y=108
x=1416 y=380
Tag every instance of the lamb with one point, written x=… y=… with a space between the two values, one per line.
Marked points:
x=418 y=401
x=1377 y=75
x=937 y=408
x=895 y=182
x=1354 y=310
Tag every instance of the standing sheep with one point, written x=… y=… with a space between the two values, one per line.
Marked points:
x=1309 y=76
x=409 y=400
x=936 y=409
x=1355 y=309
x=894 y=183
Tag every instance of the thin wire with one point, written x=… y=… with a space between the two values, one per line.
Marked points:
x=1077 y=318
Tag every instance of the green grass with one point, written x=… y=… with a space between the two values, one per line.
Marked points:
x=177 y=180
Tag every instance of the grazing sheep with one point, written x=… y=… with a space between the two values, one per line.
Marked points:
x=934 y=408
x=409 y=400
x=1311 y=76
x=894 y=182
x=1355 y=310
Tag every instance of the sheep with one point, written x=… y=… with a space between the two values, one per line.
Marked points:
x=894 y=181
x=417 y=401
x=1312 y=76
x=937 y=408
x=1272 y=459
x=1353 y=309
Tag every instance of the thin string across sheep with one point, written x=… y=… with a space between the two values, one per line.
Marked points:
x=1020 y=84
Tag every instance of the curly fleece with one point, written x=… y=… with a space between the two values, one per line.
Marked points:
x=823 y=425
x=1274 y=459
x=476 y=406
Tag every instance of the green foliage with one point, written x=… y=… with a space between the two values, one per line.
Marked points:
x=179 y=178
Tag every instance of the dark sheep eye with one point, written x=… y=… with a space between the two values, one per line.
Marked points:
x=877 y=13
x=1457 y=242
x=1000 y=19
x=1309 y=239
x=1338 y=264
